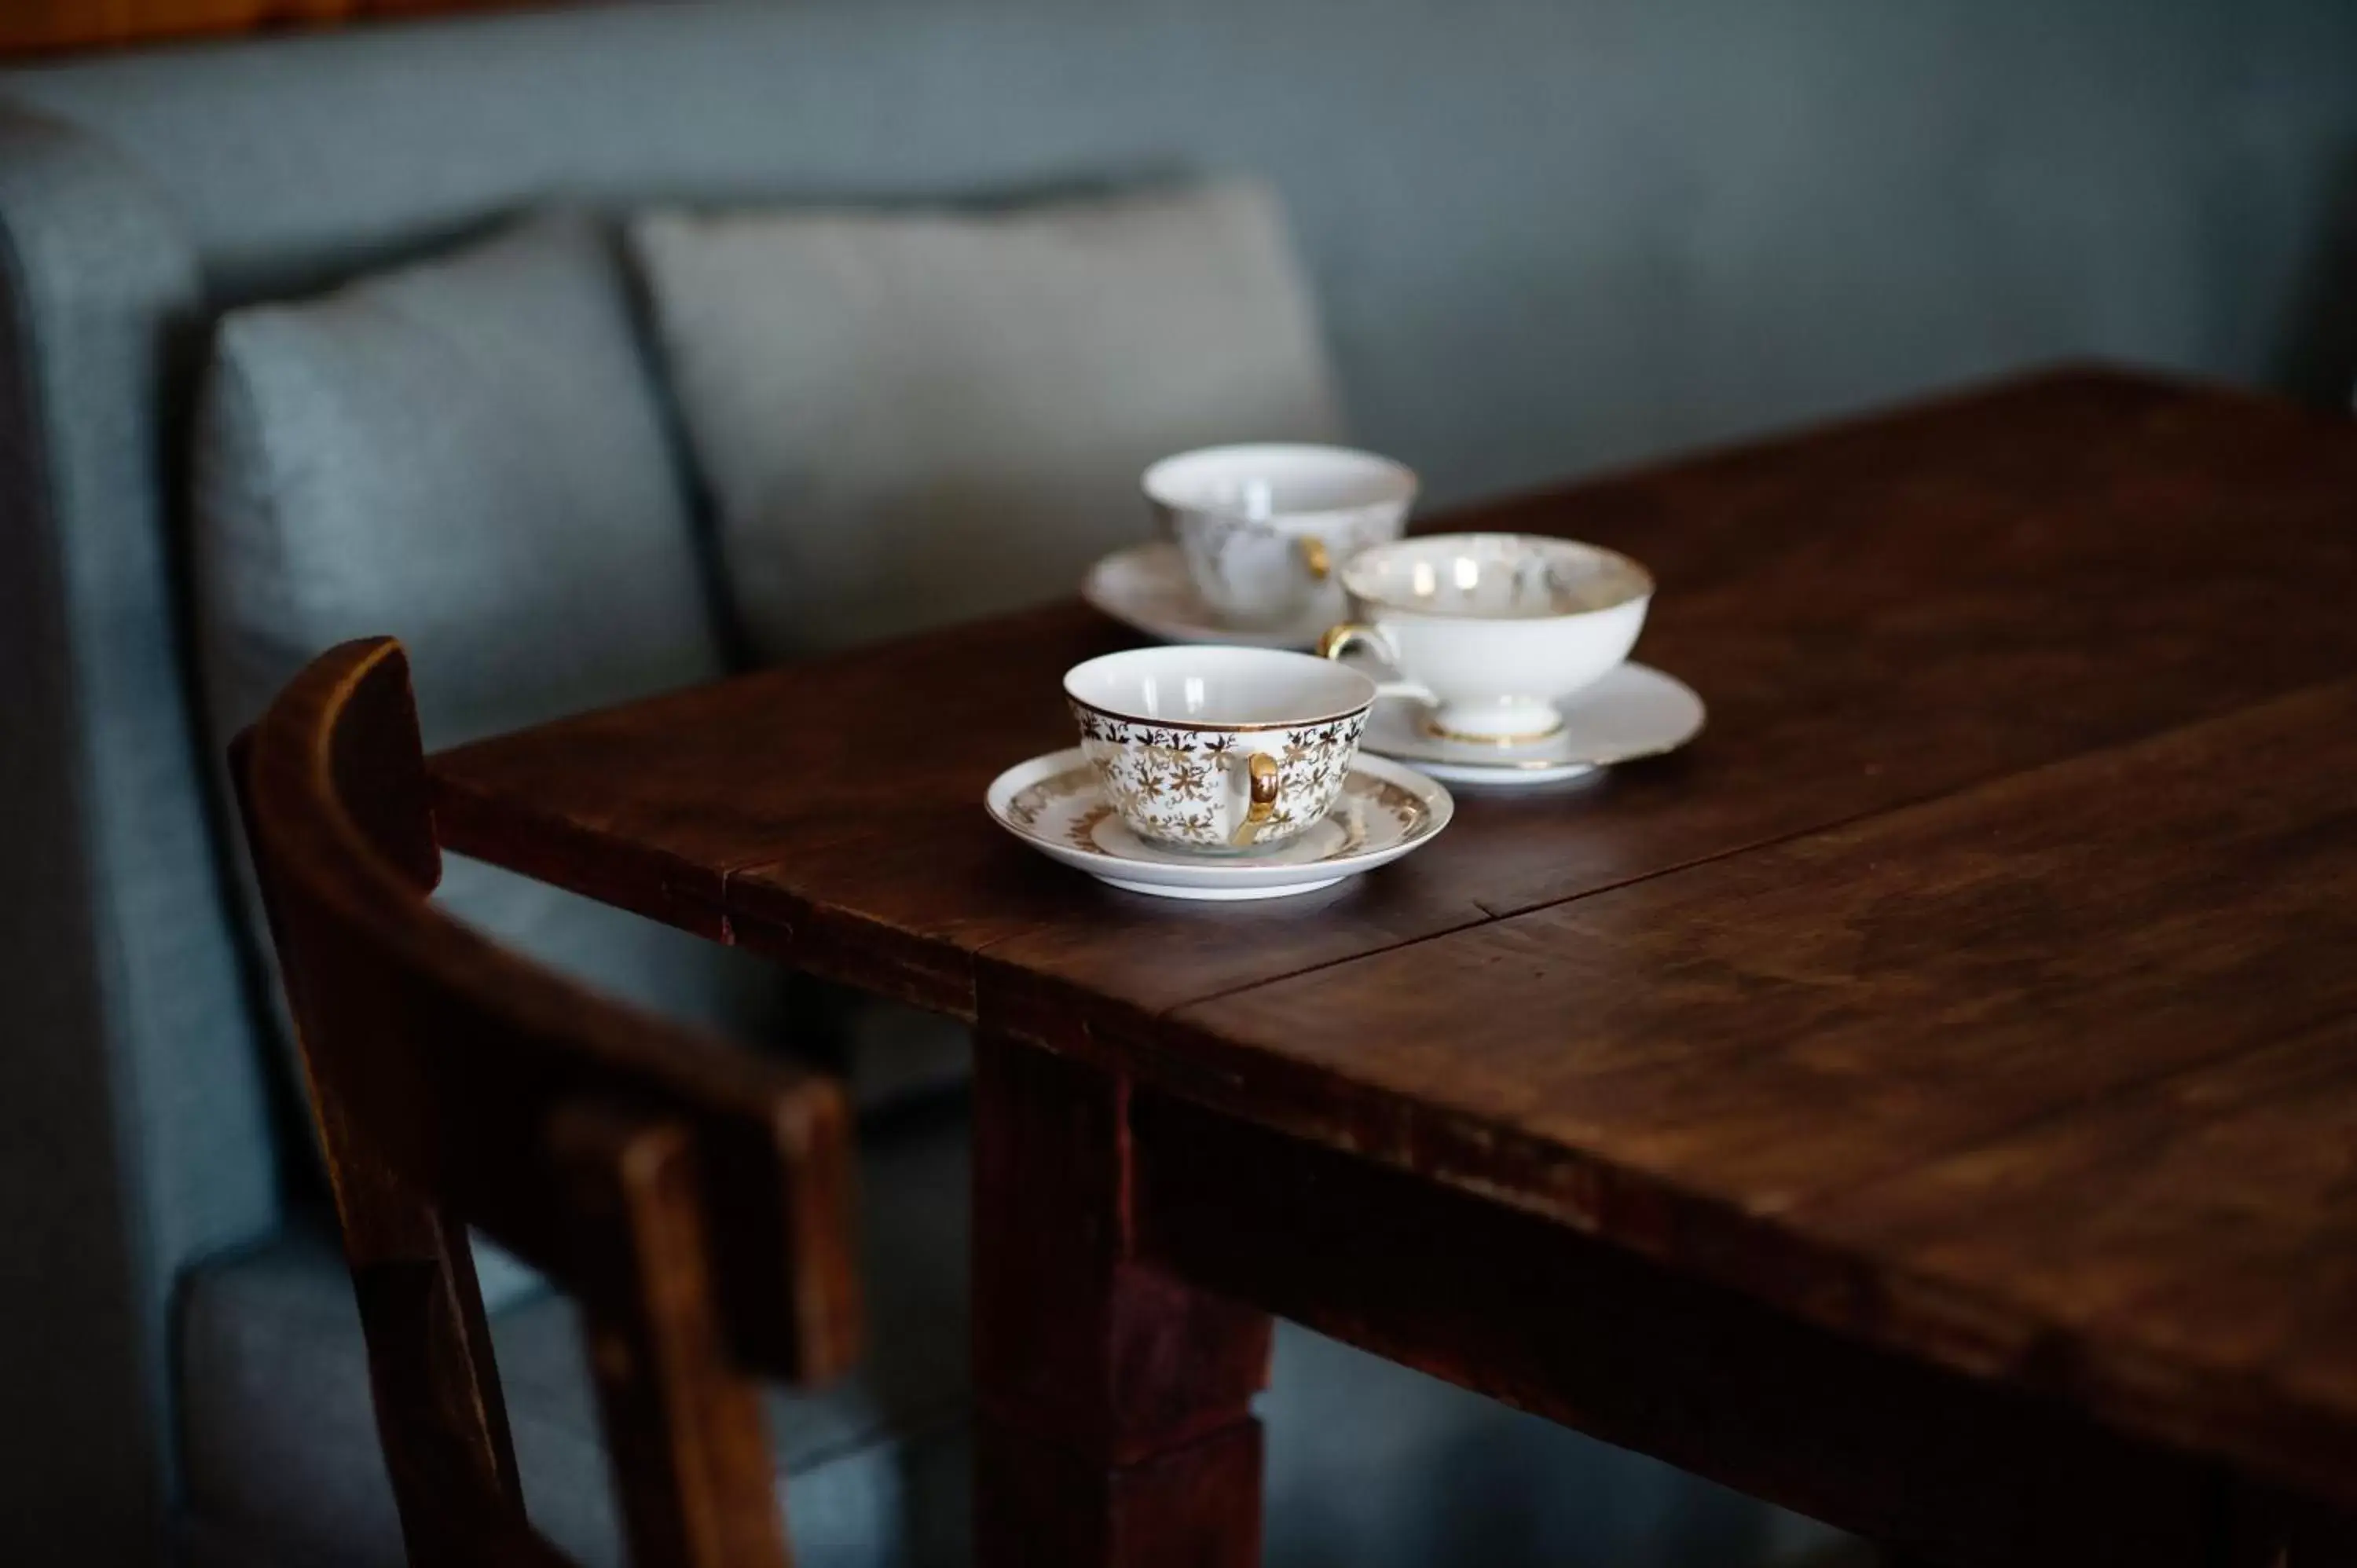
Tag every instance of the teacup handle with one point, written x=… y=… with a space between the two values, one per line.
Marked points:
x=1262 y=772
x=1314 y=557
x=1262 y=775
x=1340 y=639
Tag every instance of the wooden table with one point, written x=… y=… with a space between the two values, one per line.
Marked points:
x=1929 y=1102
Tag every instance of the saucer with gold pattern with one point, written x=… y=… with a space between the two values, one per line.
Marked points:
x=1057 y=805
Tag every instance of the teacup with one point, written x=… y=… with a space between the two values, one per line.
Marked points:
x=1262 y=528
x=1215 y=749
x=1494 y=630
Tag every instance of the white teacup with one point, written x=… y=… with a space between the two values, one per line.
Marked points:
x=1264 y=527
x=1494 y=630
x=1217 y=749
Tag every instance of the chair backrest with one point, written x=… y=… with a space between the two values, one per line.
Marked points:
x=692 y=1198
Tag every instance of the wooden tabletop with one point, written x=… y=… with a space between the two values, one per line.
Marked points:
x=1979 y=984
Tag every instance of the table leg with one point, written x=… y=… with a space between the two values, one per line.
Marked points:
x=1116 y=1424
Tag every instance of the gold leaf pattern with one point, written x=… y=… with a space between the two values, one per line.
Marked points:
x=1082 y=832
x=1070 y=806
x=1172 y=785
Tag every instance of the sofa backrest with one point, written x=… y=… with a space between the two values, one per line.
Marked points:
x=1547 y=234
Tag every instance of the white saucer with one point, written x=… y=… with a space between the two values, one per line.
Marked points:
x=1146 y=586
x=1636 y=711
x=1054 y=804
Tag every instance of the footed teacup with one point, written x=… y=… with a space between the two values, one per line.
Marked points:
x=1494 y=630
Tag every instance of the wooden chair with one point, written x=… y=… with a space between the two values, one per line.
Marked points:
x=692 y=1198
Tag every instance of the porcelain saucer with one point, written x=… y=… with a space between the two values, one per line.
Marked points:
x=1636 y=711
x=1146 y=586
x=1054 y=804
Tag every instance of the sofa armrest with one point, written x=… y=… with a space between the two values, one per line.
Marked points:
x=132 y=1128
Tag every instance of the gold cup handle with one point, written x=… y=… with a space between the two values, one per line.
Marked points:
x=1262 y=769
x=1259 y=772
x=1314 y=558
x=1340 y=639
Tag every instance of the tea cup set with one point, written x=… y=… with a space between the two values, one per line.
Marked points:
x=1228 y=764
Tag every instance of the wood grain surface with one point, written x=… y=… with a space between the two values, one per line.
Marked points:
x=2012 y=877
x=1877 y=614
x=1947 y=1467
x=1875 y=1075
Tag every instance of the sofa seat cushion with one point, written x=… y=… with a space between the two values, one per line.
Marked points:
x=1369 y=1464
x=906 y=417
x=281 y=1449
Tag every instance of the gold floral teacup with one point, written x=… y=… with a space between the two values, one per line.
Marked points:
x=1219 y=750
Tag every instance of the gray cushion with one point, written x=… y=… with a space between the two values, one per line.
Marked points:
x=905 y=417
x=465 y=453
x=1369 y=1465
x=281 y=1449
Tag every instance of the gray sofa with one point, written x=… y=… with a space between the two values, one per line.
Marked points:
x=1545 y=237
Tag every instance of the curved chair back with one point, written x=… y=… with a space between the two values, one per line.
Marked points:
x=694 y=1199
